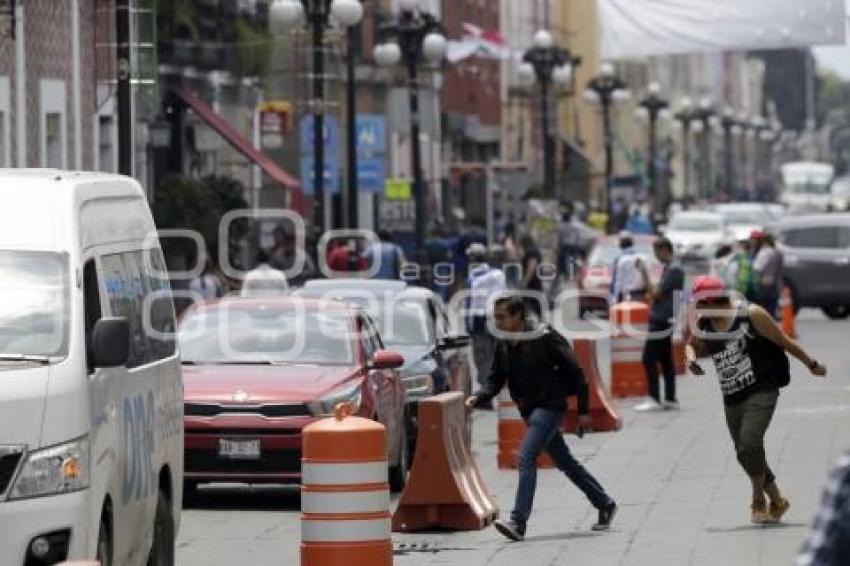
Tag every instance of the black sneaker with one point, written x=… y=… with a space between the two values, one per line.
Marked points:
x=510 y=529
x=606 y=517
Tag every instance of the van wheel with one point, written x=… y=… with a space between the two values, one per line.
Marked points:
x=104 y=543
x=162 y=550
x=398 y=474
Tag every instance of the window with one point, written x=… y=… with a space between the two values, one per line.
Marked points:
x=844 y=237
x=825 y=237
x=3 y=140
x=128 y=284
x=106 y=144
x=91 y=303
x=52 y=127
x=53 y=140
x=366 y=331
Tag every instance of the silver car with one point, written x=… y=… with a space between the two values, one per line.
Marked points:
x=817 y=261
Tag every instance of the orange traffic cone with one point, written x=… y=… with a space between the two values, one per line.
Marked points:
x=786 y=306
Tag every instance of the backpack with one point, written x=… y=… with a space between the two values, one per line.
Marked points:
x=778 y=368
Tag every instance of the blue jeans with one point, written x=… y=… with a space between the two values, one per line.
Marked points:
x=543 y=434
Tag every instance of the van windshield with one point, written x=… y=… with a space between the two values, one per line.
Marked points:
x=34 y=304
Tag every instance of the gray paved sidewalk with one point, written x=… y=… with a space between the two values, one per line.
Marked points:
x=683 y=498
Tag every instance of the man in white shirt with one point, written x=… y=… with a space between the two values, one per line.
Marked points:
x=264 y=279
x=630 y=279
x=485 y=283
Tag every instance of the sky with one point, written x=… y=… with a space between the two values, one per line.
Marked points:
x=836 y=58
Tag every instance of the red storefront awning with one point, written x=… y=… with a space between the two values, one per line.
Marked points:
x=243 y=146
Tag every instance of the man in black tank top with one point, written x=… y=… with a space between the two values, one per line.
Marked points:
x=743 y=341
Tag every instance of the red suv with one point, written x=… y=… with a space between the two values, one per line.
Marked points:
x=258 y=370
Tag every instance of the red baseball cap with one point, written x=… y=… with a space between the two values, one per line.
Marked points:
x=756 y=235
x=708 y=286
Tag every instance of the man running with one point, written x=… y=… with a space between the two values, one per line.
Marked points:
x=540 y=370
x=749 y=353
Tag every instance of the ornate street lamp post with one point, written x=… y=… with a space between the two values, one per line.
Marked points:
x=548 y=65
x=607 y=89
x=653 y=106
x=414 y=38
x=317 y=15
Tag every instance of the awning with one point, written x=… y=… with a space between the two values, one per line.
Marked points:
x=243 y=146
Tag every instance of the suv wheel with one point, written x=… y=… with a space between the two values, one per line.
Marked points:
x=841 y=312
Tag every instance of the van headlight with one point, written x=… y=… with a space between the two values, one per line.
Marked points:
x=53 y=470
x=324 y=407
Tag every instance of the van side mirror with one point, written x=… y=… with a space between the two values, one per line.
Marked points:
x=110 y=342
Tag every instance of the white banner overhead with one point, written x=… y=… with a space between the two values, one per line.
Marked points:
x=642 y=28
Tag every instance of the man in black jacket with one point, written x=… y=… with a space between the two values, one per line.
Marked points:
x=541 y=371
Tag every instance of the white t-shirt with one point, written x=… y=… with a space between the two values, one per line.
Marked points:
x=264 y=280
x=627 y=276
x=485 y=282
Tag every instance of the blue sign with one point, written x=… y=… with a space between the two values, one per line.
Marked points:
x=332 y=134
x=371 y=135
x=333 y=182
x=371 y=174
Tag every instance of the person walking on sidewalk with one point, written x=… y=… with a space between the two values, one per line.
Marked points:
x=662 y=317
x=541 y=371
x=767 y=270
x=629 y=279
x=484 y=283
x=749 y=353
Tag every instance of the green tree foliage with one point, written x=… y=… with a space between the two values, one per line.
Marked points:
x=199 y=205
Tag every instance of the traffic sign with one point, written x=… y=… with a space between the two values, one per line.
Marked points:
x=333 y=182
x=398 y=189
x=332 y=134
x=371 y=135
x=371 y=174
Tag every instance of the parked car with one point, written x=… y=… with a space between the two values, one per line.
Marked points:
x=258 y=370
x=840 y=195
x=696 y=237
x=817 y=261
x=595 y=279
x=743 y=218
x=413 y=322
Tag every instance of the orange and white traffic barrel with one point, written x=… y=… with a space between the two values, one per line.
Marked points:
x=511 y=432
x=630 y=324
x=786 y=309
x=345 y=496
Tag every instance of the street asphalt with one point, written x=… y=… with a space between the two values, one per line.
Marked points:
x=683 y=498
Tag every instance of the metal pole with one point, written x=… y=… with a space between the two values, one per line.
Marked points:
x=686 y=156
x=653 y=155
x=549 y=180
x=125 y=93
x=730 y=173
x=608 y=133
x=319 y=123
x=416 y=163
x=352 y=193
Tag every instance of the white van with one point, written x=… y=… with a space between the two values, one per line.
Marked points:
x=806 y=187
x=91 y=403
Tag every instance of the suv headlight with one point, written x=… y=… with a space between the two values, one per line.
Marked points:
x=53 y=470
x=351 y=394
